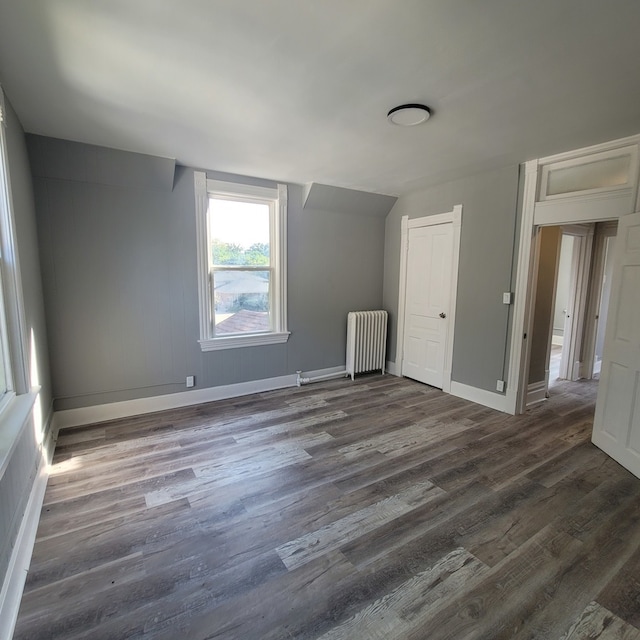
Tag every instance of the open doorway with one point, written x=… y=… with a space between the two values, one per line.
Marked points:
x=573 y=277
x=564 y=287
x=594 y=184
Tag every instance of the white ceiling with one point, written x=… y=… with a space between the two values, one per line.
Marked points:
x=298 y=90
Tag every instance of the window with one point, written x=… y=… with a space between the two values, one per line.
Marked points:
x=13 y=372
x=241 y=264
x=590 y=174
x=6 y=377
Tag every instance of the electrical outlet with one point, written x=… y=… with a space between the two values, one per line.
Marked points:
x=191 y=381
x=506 y=297
x=500 y=385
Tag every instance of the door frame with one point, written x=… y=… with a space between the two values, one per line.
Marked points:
x=538 y=390
x=592 y=320
x=537 y=210
x=577 y=306
x=453 y=217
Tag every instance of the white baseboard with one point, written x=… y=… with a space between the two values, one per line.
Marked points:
x=21 y=557
x=557 y=341
x=480 y=396
x=536 y=392
x=392 y=368
x=16 y=575
x=127 y=408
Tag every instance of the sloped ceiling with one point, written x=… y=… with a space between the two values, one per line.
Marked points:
x=298 y=90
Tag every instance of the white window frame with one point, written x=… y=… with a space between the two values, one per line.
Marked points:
x=16 y=405
x=12 y=323
x=204 y=189
x=549 y=168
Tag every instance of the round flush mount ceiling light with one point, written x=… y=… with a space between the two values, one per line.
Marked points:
x=409 y=115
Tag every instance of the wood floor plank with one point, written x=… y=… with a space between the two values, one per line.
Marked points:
x=600 y=558
x=597 y=623
x=621 y=595
x=486 y=608
x=297 y=552
x=380 y=508
x=409 y=606
x=268 y=611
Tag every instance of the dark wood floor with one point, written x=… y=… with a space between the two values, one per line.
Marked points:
x=377 y=509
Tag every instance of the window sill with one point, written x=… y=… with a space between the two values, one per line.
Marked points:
x=14 y=417
x=237 y=342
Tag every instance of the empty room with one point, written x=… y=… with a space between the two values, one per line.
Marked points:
x=319 y=320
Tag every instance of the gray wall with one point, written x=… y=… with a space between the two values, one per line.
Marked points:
x=119 y=270
x=486 y=263
x=17 y=479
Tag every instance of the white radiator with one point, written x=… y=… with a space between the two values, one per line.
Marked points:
x=366 y=341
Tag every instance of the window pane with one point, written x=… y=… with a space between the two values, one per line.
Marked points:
x=239 y=232
x=3 y=373
x=608 y=173
x=241 y=301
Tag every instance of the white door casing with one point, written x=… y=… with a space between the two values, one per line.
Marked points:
x=578 y=207
x=616 y=427
x=576 y=308
x=598 y=299
x=428 y=286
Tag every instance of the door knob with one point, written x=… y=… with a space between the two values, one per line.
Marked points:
x=443 y=315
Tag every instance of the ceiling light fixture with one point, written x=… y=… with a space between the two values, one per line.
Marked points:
x=408 y=115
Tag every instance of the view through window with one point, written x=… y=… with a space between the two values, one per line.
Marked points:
x=241 y=271
x=242 y=263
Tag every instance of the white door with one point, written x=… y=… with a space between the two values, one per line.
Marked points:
x=579 y=286
x=427 y=303
x=616 y=426
x=568 y=333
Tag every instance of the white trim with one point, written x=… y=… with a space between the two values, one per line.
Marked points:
x=536 y=249
x=554 y=295
x=278 y=243
x=596 y=148
x=448 y=358
x=127 y=408
x=402 y=291
x=21 y=416
x=20 y=560
x=393 y=369
x=204 y=293
x=238 y=190
x=279 y=305
x=592 y=208
x=14 y=327
x=453 y=217
x=578 y=299
x=522 y=278
x=630 y=151
x=537 y=391
x=489 y=399
x=597 y=367
x=245 y=340
x=516 y=387
x=14 y=420
x=439 y=218
x=603 y=233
